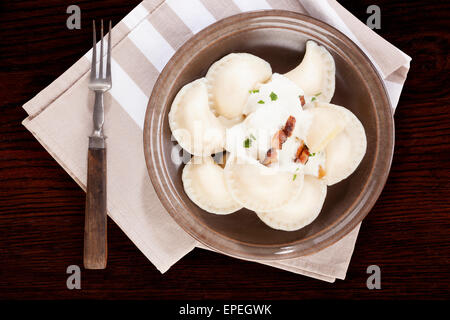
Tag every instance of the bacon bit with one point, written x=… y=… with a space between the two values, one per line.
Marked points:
x=299 y=151
x=278 y=139
x=322 y=172
x=302 y=100
x=302 y=154
x=271 y=157
x=281 y=136
x=289 y=126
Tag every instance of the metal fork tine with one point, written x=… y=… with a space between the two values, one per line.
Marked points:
x=100 y=79
x=94 y=53
x=108 y=58
x=100 y=72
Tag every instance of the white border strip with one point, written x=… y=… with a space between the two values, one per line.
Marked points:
x=250 y=5
x=193 y=13
x=152 y=44
x=136 y=15
x=128 y=94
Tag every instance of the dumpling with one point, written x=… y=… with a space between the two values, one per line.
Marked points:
x=193 y=124
x=300 y=211
x=260 y=188
x=327 y=123
x=204 y=183
x=231 y=78
x=316 y=73
x=345 y=152
x=229 y=123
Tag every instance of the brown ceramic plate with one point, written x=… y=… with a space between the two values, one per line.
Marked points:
x=278 y=37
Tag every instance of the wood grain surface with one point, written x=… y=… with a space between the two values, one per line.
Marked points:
x=42 y=209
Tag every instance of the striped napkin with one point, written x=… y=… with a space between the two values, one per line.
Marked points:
x=143 y=42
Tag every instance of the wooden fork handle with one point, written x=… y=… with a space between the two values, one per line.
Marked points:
x=95 y=226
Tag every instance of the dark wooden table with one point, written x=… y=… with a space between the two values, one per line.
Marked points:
x=42 y=209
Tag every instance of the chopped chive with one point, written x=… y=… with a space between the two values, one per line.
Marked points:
x=302 y=100
x=252 y=136
x=261 y=102
x=313 y=98
x=253 y=91
x=312 y=154
x=318 y=94
x=247 y=143
x=273 y=96
x=295 y=177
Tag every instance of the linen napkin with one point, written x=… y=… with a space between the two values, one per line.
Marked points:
x=143 y=42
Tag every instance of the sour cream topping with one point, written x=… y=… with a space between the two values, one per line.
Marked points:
x=267 y=110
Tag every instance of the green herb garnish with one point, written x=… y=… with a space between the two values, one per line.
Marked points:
x=295 y=175
x=273 y=96
x=318 y=94
x=313 y=98
x=312 y=154
x=261 y=102
x=247 y=143
x=253 y=91
x=252 y=136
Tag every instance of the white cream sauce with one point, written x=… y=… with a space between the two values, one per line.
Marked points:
x=268 y=109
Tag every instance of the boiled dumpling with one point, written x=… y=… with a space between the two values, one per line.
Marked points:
x=260 y=188
x=316 y=73
x=300 y=211
x=347 y=149
x=204 y=183
x=231 y=78
x=193 y=124
x=327 y=123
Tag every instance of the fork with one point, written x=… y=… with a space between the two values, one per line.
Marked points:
x=95 y=226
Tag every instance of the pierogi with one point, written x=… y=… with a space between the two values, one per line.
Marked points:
x=204 y=183
x=283 y=141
